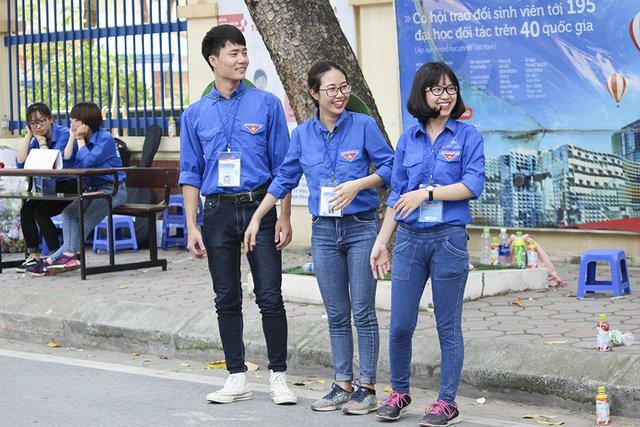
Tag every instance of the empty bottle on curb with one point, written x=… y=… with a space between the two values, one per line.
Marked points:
x=4 y=132
x=494 y=251
x=485 y=247
x=171 y=131
x=519 y=251
x=602 y=407
x=532 y=254
x=503 y=248
x=308 y=267
x=602 y=334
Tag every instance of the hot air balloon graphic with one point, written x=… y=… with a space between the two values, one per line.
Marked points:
x=634 y=30
x=617 y=84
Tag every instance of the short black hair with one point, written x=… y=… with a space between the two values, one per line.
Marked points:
x=88 y=113
x=38 y=107
x=315 y=73
x=217 y=37
x=259 y=73
x=429 y=75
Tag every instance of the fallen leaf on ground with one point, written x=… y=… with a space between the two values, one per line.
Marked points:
x=517 y=302
x=257 y=375
x=166 y=357
x=146 y=360
x=185 y=365
x=387 y=389
x=531 y=416
x=220 y=364
x=620 y=297
x=125 y=286
x=429 y=310
x=550 y=423
x=52 y=343
x=252 y=366
x=136 y=354
x=321 y=381
x=554 y=342
x=316 y=388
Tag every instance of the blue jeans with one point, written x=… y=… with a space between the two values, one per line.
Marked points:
x=223 y=232
x=94 y=211
x=440 y=253
x=341 y=248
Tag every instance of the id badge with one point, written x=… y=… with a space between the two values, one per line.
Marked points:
x=326 y=194
x=430 y=211
x=229 y=169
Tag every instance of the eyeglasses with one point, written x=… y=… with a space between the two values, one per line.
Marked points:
x=439 y=90
x=332 y=92
x=40 y=122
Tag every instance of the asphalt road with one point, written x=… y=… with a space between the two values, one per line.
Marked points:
x=44 y=386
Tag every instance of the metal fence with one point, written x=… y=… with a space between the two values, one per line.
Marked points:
x=127 y=56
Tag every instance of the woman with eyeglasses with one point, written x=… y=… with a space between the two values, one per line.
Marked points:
x=438 y=167
x=35 y=214
x=334 y=149
x=89 y=146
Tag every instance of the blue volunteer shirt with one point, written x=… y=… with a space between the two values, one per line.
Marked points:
x=456 y=156
x=100 y=151
x=354 y=144
x=251 y=122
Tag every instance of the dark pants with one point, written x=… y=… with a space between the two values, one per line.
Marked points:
x=223 y=233
x=37 y=213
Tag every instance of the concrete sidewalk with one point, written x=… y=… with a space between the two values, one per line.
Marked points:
x=524 y=345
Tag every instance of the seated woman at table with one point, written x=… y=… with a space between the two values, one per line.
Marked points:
x=89 y=146
x=42 y=134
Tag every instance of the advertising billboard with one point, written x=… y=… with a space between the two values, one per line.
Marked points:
x=554 y=86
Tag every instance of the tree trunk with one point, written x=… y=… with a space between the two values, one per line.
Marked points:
x=299 y=33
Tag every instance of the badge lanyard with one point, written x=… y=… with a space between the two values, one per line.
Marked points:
x=229 y=163
x=326 y=188
x=431 y=211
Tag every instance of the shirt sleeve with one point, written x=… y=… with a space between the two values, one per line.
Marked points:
x=399 y=177
x=473 y=166
x=290 y=170
x=278 y=137
x=99 y=152
x=380 y=152
x=191 y=153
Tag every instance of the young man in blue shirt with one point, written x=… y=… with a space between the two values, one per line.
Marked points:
x=232 y=143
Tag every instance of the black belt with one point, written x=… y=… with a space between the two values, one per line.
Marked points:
x=245 y=197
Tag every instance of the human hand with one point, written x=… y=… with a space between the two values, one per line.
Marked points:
x=409 y=202
x=196 y=244
x=379 y=261
x=284 y=233
x=345 y=193
x=83 y=131
x=42 y=142
x=250 y=235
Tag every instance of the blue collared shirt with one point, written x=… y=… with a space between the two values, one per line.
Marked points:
x=347 y=152
x=58 y=141
x=456 y=156
x=251 y=122
x=100 y=151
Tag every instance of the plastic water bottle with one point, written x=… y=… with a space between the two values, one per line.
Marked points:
x=4 y=132
x=494 y=250
x=503 y=248
x=308 y=267
x=172 y=127
x=519 y=251
x=602 y=334
x=602 y=407
x=532 y=254
x=485 y=247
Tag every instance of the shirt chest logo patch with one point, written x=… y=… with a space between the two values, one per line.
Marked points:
x=450 y=155
x=350 y=155
x=253 y=128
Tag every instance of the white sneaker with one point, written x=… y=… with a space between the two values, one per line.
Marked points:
x=235 y=388
x=280 y=392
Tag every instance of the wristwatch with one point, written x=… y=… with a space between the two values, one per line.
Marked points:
x=430 y=189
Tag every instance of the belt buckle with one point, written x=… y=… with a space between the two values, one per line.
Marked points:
x=244 y=197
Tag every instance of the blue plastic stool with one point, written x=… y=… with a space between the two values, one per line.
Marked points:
x=619 y=282
x=178 y=222
x=57 y=221
x=120 y=239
